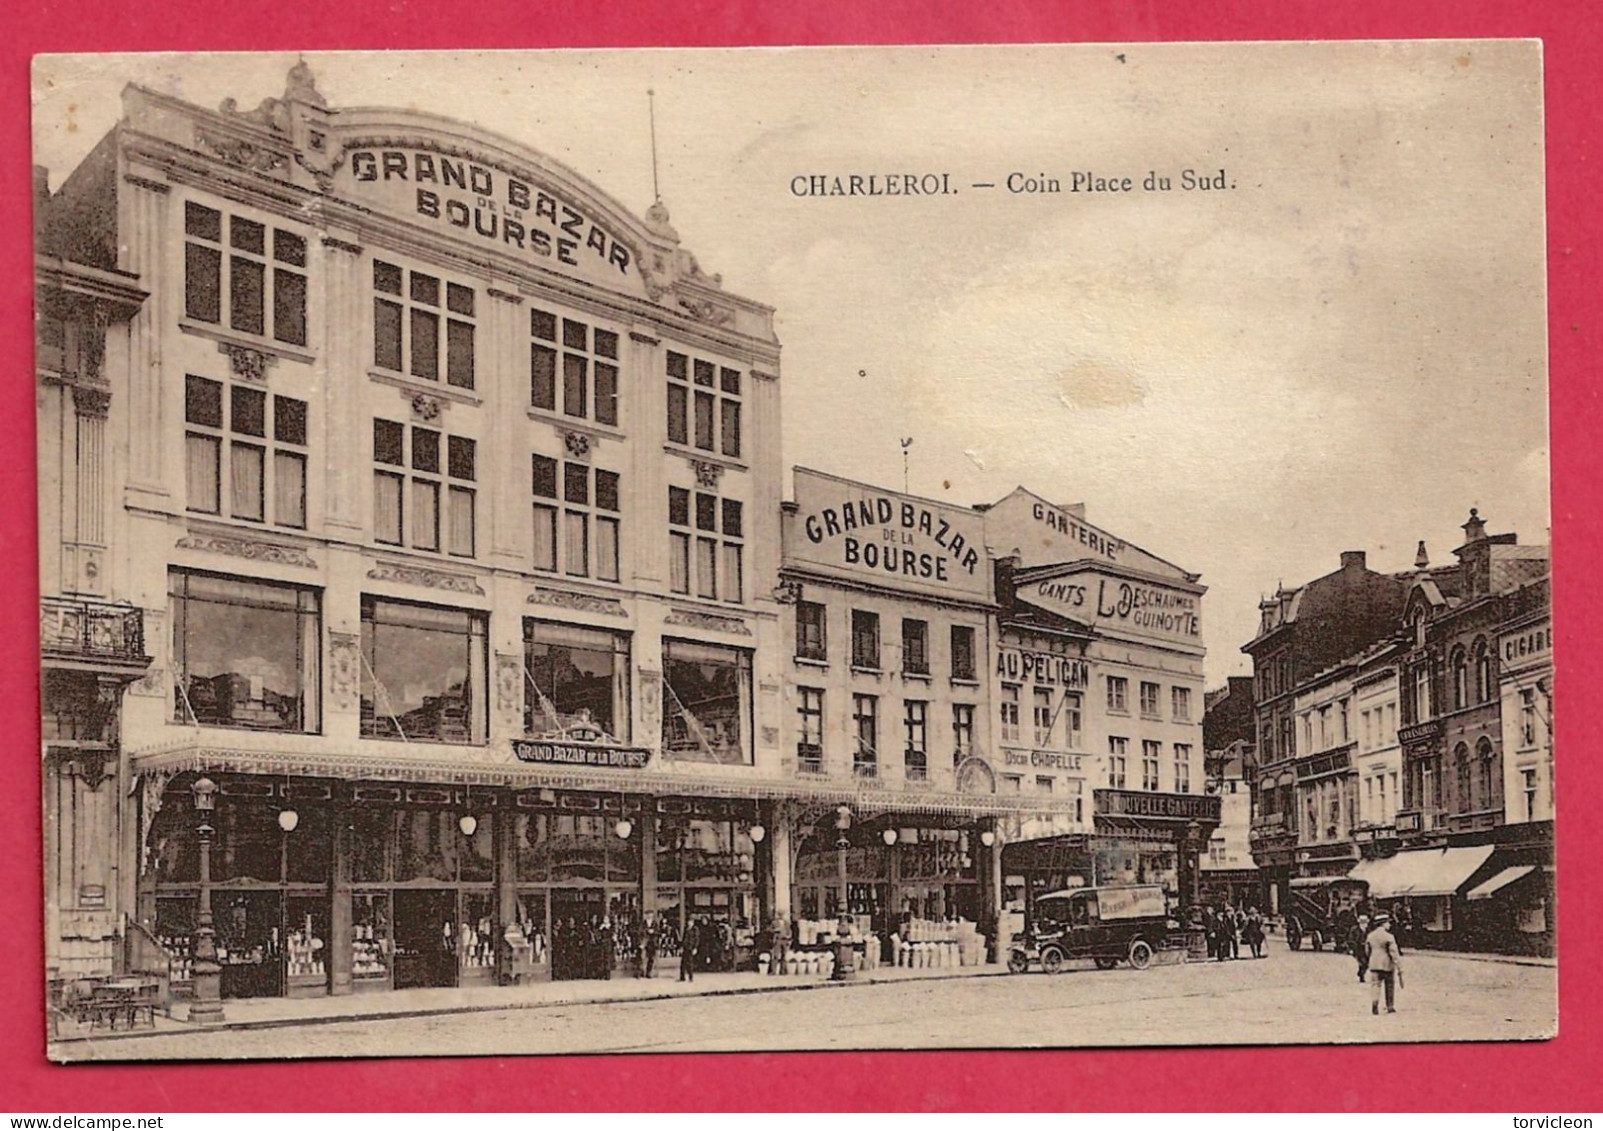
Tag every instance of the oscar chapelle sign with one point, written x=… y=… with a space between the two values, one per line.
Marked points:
x=483 y=202
x=1140 y=608
x=863 y=533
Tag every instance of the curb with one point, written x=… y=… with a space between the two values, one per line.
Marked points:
x=498 y=1007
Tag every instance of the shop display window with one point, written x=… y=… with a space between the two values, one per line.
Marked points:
x=530 y=942
x=707 y=710
x=428 y=844
x=250 y=942
x=174 y=845
x=248 y=844
x=306 y=944
x=476 y=934
x=371 y=946
x=578 y=678
x=245 y=653
x=423 y=672
x=175 y=930
x=579 y=845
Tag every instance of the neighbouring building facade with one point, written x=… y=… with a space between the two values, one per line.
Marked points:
x=1228 y=729
x=1303 y=631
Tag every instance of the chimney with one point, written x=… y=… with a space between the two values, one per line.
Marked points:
x=1421 y=558
x=1475 y=528
x=1353 y=559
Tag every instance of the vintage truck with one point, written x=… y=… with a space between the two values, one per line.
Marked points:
x=1108 y=925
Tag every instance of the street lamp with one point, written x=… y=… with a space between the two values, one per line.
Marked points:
x=1193 y=850
x=843 y=944
x=207 y=1007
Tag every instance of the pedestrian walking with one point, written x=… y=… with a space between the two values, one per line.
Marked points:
x=1238 y=920
x=1253 y=932
x=1357 y=939
x=1385 y=964
x=689 y=951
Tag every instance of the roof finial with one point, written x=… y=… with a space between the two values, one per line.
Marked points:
x=1421 y=558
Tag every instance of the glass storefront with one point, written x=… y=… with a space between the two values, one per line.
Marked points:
x=423 y=673
x=707 y=703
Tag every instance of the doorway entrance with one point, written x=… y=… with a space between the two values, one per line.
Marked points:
x=576 y=937
x=425 y=938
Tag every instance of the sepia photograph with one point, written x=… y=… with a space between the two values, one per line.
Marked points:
x=724 y=550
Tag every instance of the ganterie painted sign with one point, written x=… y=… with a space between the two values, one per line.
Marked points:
x=1157 y=612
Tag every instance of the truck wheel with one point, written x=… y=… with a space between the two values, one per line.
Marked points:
x=1140 y=954
x=1018 y=962
x=1318 y=941
x=1106 y=963
x=1052 y=961
x=1294 y=934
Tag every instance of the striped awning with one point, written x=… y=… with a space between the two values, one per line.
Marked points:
x=1500 y=881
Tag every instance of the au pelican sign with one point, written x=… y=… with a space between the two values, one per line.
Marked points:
x=1141 y=608
x=581 y=754
x=860 y=532
x=490 y=206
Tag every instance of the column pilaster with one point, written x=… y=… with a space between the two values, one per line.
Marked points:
x=144 y=208
x=342 y=365
x=646 y=514
x=504 y=389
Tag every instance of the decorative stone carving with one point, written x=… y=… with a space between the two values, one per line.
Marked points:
x=644 y=338
x=91 y=400
x=691 y=619
x=504 y=296
x=270 y=552
x=707 y=473
x=582 y=602
x=650 y=701
x=703 y=311
x=508 y=684
x=151 y=685
x=427 y=578
x=770 y=736
x=241 y=152
x=578 y=444
x=426 y=409
x=251 y=364
x=152 y=785
x=342 y=245
x=974 y=775
x=344 y=670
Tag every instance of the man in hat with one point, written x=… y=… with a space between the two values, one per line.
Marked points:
x=1385 y=963
x=1356 y=940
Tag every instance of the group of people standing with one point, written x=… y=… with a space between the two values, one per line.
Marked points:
x=1229 y=928
x=583 y=948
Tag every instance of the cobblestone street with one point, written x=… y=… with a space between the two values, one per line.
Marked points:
x=1285 y=998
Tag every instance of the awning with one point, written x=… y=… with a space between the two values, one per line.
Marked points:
x=1425 y=871
x=1500 y=881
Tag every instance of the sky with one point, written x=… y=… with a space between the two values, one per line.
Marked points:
x=1342 y=350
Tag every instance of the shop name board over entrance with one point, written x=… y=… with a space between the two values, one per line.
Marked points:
x=481 y=200
x=856 y=530
x=1163 y=806
x=1145 y=609
x=580 y=754
x=1020 y=666
x=1042 y=759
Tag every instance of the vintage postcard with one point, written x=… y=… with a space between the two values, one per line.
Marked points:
x=555 y=552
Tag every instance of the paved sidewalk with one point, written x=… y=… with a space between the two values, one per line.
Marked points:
x=267 y=1013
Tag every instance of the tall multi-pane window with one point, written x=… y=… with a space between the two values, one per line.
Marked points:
x=423 y=488
x=1527 y=716
x=1149 y=699
x=271 y=683
x=1483 y=671
x=1118 y=754
x=1180 y=702
x=865 y=727
x=865 y=639
x=573 y=367
x=1422 y=705
x=963 y=666
x=1150 y=753
x=915 y=728
x=915 y=647
x=1182 y=767
x=1528 y=783
x=1073 y=718
x=423 y=672
x=1010 y=712
x=261 y=270
x=810 y=729
x=962 y=731
x=812 y=642
x=576 y=519
x=245 y=453
x=1076 y=789
x=576 y=679
x=1043 y=716
x=1118 y=694
x=704 y=404
x=1485 y=760
x=706 y=545
x=422 y=325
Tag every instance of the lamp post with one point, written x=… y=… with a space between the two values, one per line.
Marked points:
x=1193 y=853
x=207 y=1007
x=843 y=944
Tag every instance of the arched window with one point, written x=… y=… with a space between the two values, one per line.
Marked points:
x=1419 y=628
x=1461 y=757
x=1483 y=671
x=1460 y=665
x=1488 y=768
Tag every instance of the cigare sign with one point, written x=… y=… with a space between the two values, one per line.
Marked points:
x=485 y=202
x=858 y=530
x=1528 y=645
x=580 y=754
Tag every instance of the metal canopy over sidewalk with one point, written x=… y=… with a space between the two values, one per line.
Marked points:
x=1422 y=872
